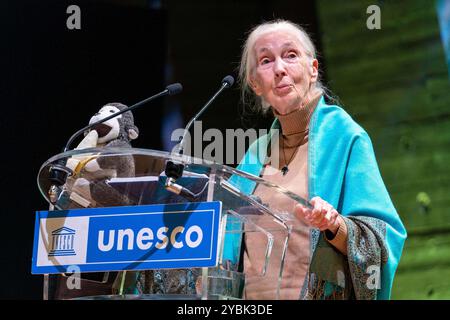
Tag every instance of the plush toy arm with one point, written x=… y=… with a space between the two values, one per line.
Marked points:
x=89 y=141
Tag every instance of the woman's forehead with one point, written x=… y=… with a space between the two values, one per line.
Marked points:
x=276 y=40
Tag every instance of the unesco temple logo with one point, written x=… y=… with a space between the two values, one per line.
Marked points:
x=62 y=242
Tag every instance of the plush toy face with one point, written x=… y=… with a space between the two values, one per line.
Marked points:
x=92 y=171
x=117 y=127
x=108 y=130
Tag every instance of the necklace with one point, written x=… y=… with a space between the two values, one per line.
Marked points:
x=285 y=168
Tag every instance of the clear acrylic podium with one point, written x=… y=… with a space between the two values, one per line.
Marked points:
x=253 y=243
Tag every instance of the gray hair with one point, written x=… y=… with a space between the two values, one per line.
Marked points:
x=248 y=59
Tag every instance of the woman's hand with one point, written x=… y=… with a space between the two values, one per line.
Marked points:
x=323 y=216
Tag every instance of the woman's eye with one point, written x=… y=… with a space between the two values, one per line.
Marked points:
x=292 y=55
x=111 y=111
x=264 y=61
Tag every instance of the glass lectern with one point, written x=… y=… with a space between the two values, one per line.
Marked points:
x=253 y=240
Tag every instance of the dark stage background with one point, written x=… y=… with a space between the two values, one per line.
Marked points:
x=54 y=79
x=394 y=81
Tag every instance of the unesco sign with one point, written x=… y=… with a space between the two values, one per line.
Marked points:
x=127 y=238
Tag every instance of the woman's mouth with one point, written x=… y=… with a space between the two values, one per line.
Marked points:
x=283 y=88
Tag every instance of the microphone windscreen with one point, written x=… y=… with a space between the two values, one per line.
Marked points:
x=228 y=80
x=174 y=88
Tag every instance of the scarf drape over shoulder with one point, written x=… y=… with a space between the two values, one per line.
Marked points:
x=342 y=170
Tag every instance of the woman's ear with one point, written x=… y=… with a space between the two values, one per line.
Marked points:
x=314 y=70
x=255 y=87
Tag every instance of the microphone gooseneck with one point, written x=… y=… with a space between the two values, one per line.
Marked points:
x=171 y=89
x=59 y=172
x=227 y=82
x=173 y=170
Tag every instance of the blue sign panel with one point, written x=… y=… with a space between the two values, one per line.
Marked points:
x=127 y=238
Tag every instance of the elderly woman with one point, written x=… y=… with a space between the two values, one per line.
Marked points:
x=326 y=157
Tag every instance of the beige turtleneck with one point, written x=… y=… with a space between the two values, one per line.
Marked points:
x=293 y=152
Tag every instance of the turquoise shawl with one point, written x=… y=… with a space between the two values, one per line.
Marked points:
x=342 y=170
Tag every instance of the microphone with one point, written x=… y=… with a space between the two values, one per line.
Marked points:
x=170 y=90
x=175 y=170
x=227 y=82
x=59 y=172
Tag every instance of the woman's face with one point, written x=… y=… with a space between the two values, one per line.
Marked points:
x=284 y=74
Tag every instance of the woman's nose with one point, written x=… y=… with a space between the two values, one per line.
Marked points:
x=279 y=68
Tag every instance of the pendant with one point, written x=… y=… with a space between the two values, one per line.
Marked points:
x=284 y=170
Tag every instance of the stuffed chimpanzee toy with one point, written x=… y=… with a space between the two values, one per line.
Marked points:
x=91 y=173
x=88 y=186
